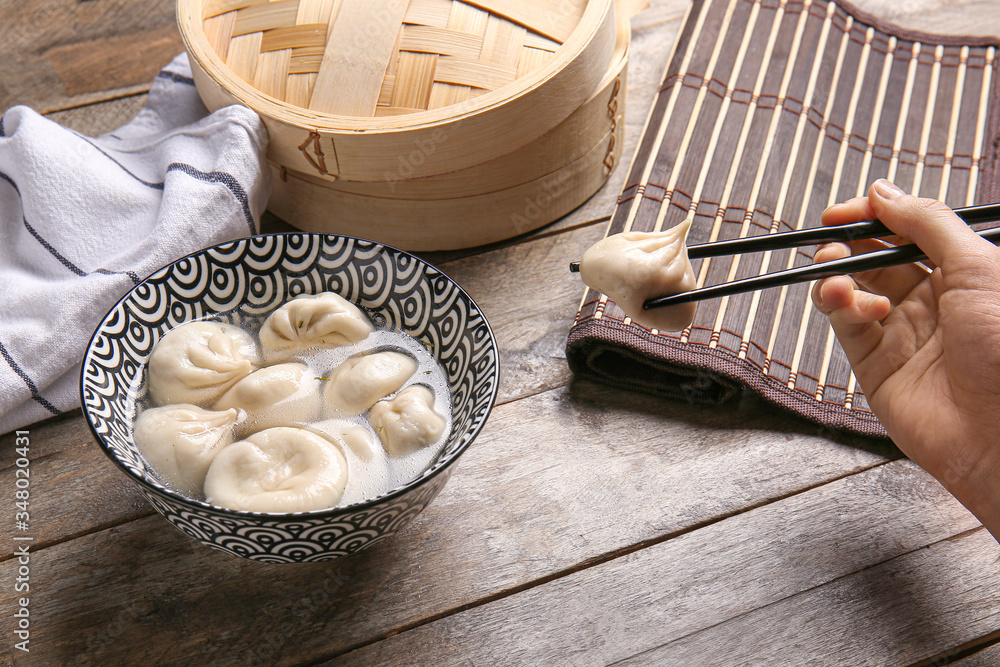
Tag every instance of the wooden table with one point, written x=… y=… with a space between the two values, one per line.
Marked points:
x=586 y=526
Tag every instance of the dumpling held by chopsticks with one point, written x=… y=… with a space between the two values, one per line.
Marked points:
x=633 y=267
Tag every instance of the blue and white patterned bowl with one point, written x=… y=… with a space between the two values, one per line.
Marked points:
x=249 y=278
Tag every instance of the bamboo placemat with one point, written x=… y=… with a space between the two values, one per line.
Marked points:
x=769 y=111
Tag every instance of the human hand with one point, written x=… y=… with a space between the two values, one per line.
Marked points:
x=925 y=345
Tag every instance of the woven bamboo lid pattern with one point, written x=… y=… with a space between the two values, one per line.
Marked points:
x=346 y=87
x=391 y=57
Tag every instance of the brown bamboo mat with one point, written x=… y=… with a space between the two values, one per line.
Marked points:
x=770 y=111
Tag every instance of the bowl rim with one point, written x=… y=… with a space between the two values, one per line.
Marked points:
x=309 y=515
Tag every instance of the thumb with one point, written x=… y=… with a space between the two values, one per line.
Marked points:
x=942 y=235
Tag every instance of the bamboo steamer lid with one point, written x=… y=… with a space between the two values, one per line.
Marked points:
x=346 y=87
x=576 y=136
x=510 y=195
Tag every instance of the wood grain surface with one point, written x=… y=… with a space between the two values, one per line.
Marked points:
x=697 y=590
x=59 y=55
x=582 y=524
x=586 y=526
x=983 y=658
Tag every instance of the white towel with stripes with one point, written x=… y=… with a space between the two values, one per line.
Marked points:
x=83 y=220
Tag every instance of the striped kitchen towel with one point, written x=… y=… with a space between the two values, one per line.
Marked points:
x=83 y=220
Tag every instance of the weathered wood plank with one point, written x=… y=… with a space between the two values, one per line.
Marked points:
x=67 y=54
x=895 y=613
x=96 y=119
x=46 y=438
x=529 y=297
x=583 y=473
x=63 y=456
x=775 y=585
x=989 y=657
x=983 y=650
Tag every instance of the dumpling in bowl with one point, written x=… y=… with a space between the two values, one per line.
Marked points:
x=360 y=381
x=279 y=395
x=197 y=362
x=408 y=422
x=370 y=474
x=633 y=267
x=278 y=470
x=180 y=442
x=316 y=320
x=348 y=435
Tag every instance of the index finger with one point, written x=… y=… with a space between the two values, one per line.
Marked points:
x=852 y=210
x=935 y=228
x=857 y=209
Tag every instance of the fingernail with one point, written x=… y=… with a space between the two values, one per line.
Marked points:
x=887 y=189
x=828 y=251
x=866 y=301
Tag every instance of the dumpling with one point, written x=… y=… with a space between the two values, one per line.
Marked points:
x=197 y=362
x=351 y=436
x=317 y=320
x=279 y=395
x=635 y=266
x=180 y=442
x=360 y=381
x=277 y=470
x=408 y=422
x=370 y=475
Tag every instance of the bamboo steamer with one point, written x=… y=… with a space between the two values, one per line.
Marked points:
x=347 y=86
x=489 y=202
x=475 y=220
x=426 y=124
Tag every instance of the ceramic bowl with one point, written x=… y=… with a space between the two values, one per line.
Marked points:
x=248 y=278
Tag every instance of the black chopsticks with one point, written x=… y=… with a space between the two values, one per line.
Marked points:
x=855 y=231
x=891 y=256
x=903 y=254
